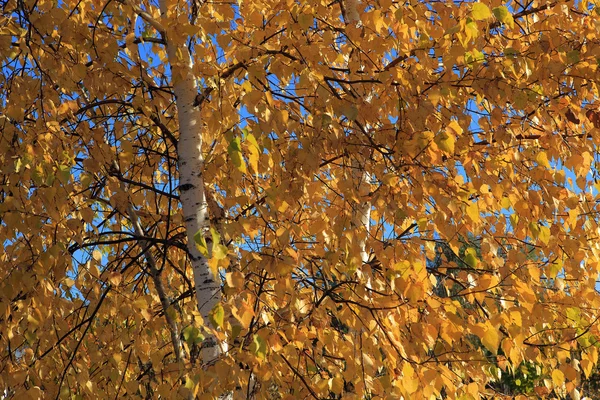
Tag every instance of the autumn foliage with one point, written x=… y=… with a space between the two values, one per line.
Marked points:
x=397 y=199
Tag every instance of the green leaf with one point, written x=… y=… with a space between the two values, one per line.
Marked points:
x=574 y=314
x=31 y=337
x=573 y=56
x=37 y=177
x=235 y=153
x=50 y=179
x=452 y=30
x=259 y=347
x=235 y=331
x=85 y=180
x=190 y=384
x=64 y=173
x=472 y=30
x=586 y=340
x=217 y=316
x=480 y=11
x=554 y=269
x=325 y=120
x=192 y=335
x=471 y=257
x=201 y=243
x=535 y=229
x=216 y=238
x=445 y=142
x=219 y=251
x=503 y=15
x=510 y=52
x=474 y=56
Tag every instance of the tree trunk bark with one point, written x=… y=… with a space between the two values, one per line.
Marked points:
x=191 y=183
x=361 y=215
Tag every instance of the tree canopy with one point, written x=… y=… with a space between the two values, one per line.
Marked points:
x=283 y=199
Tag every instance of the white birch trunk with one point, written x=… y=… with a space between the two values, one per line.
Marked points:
x=191 y=183
x=361 y=215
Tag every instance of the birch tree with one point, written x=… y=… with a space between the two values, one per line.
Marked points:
x=203 y=199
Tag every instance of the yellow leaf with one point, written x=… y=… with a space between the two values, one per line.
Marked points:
x=410 y=383
x=336 y=385
x=503 y=15
x=454 y=127
x=213 y=265
x=515 y=318
x=378 y=20
x=32 y=320
x=544 y=235
x=253 y=152
x=487 y=281
x=115 y=278
x=558 y=378
x=244 y=314
x=542 y=159
x=146 y=314
x=480 y=11
x=191 y=385
x=18 y=164
x=587 y=367
x=445 y=142
x=491 y=339
x=234 y=279
x=473 y=212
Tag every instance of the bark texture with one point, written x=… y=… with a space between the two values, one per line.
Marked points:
x=191 y=182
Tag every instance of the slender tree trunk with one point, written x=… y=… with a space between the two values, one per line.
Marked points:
x=155 y=275
x=361 y=214
x=191 y=182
